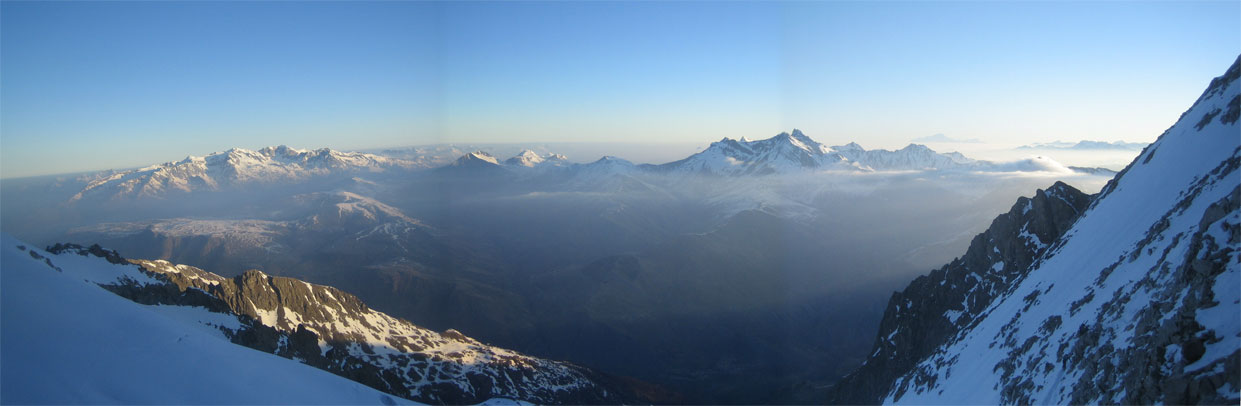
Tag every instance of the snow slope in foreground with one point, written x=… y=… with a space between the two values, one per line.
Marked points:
x=66 y=340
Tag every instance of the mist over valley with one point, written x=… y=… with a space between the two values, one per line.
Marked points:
x=724 y=286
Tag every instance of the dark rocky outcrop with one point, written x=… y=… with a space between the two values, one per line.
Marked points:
x=935 y=307
x=108 y=255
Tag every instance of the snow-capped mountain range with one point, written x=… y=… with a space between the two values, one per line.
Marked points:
x=795 y=152
x=234 y=167
x=524 y=161
x=785 y=153
x=1136 y=301
x=316 y=325
x=780 y=154
x=529 y=159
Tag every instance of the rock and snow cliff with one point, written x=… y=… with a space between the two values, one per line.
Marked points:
x=1137 y=302
x=935 y=307
x=316 y=325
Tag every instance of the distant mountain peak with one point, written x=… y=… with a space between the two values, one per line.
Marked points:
x=525 y=158
x=339 y=208
x=852 y=146
x=612 y=160
x=800 y=140
x=284 y=150
x=477 y=157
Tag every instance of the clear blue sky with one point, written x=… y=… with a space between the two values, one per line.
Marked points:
x=97 y=85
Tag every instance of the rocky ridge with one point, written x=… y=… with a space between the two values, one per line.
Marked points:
x=936 y=306
x=332 y=330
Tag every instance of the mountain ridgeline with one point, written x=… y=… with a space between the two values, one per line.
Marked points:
x=936 y=306
x=270 y=166
x=329 y=329
x=1130 y=299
